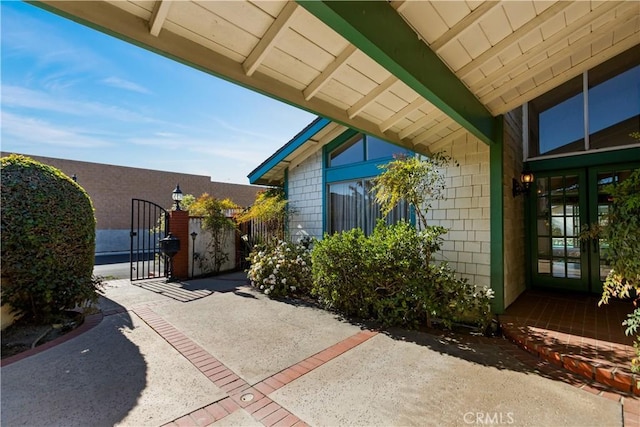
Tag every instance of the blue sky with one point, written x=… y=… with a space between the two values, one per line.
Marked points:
x=74 y=93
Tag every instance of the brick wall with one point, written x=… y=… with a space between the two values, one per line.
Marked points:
x=514 y=232
x=111 y=189
x=465 y=212
x=305 y=195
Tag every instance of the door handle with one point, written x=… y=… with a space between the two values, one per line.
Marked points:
x=595 y=245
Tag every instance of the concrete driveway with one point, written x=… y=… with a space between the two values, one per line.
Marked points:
x=214 y=351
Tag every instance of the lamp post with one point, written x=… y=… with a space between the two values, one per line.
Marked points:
x=193 y=251
x=177 y=196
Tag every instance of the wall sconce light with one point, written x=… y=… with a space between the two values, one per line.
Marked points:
x=522 y=187
x=177 y=196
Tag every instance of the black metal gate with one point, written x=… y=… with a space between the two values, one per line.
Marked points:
x=149 y=224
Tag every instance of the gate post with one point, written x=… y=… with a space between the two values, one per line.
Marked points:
x=179 y=227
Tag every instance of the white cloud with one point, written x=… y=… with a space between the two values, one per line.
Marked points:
x=41 y=132
x=21 y=97
x=125 y=84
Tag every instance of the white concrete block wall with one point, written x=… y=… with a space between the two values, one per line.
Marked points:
x=305 y=198
x=465 y=212
x=201 y=249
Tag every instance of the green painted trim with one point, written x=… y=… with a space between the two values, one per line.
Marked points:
x=256 y=175
x=496 y=176
x=379 y=31
x=623 y=155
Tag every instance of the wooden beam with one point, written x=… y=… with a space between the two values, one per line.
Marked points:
x=406 y=57
x=328 y=72
x=159 y=15
x=269 y=39
x=371 y=96
x=512 y=38
x=464 y=24
x=409 y=108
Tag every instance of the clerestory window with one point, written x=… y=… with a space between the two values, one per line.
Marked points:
x=351 y=163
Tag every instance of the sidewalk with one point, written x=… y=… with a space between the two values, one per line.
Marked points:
x=214 y=351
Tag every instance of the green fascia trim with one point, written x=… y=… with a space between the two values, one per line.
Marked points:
x=623 y=155
x=496 y=172
x=296 y=142
x=379 y=31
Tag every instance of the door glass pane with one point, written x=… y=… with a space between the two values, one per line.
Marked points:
x=561 y=218
x=544 y=266
x=544 y=247
x=559 y=268
x=543 y=227
x=573 y=270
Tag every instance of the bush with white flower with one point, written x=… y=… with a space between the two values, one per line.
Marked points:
x=281 y=268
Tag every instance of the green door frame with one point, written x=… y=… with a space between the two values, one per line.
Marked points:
x=543 y=281
x=590 y=164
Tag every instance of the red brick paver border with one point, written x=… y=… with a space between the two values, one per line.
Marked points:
x=89 y=322
x=261 y=407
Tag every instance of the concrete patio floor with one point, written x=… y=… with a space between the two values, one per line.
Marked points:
x=215 y=352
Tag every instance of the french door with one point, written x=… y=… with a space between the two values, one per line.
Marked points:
x=567 y=210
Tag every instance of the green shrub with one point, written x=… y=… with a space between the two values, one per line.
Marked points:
x=622 y=233
x=48 y=239
x=281 y=268
x=388 y=277
x=341 y=267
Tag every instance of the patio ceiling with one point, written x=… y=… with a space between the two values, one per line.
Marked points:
x=418 y=73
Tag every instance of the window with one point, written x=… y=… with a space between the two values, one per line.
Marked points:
x=351 y=163
x=614 y=109
x=353 y=205
x=557 y=120
x=350 y=152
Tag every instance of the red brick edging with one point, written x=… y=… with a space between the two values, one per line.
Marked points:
x=89 y=322
x=606 y=375
x=261 y=407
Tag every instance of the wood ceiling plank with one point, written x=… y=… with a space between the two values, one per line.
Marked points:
x=417 y=103
x=512 y=38
x=630 y=41
x=488 y=81
x=328 y=72
x=464 y=24
x=438 y=127
x=593 y=37
x=371 y=96
x=406 y=57
x=159 y=15
x=190 y=20
x=425 y=120
x=269 y=39
x=117 y=22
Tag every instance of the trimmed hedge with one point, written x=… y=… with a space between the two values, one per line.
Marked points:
x=48 y=240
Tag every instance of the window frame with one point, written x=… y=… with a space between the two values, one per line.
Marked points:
x=581 y=84
x=358 y=171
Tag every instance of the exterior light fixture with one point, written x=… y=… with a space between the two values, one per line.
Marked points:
x=177 y=196
x=522 y=187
